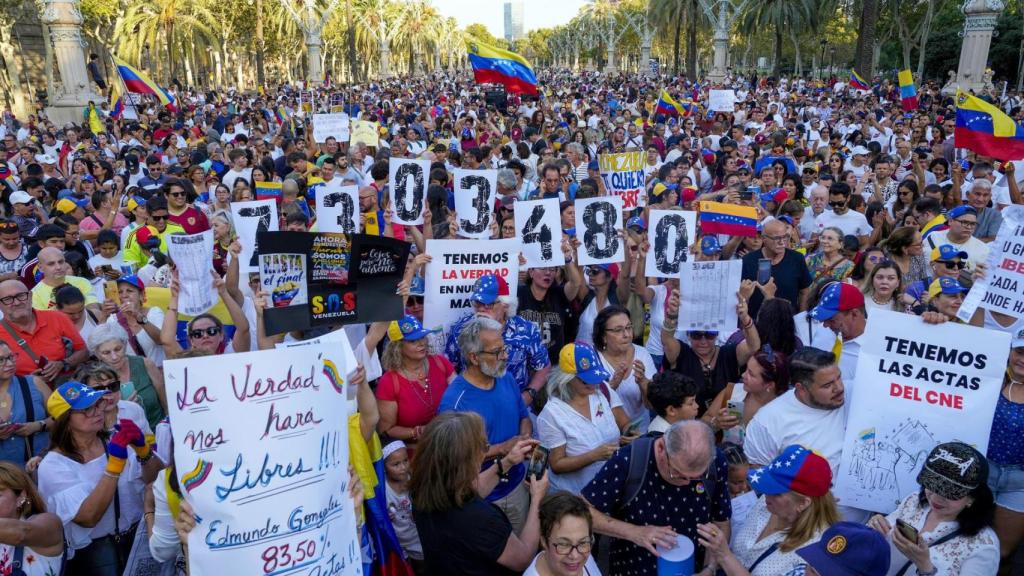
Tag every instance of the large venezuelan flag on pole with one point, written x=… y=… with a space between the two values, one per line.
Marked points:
x=908 y=92
x=138 y=82
x=497 y=66
x=116 y=102
x=668 y=106
x=732 y=219
x=985 y=129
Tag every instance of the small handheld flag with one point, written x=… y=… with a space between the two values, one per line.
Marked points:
x=908 y=92
x=857 y=82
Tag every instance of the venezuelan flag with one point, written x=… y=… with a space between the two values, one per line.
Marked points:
x=116 y=102
x=867 y=434
x=857 y=82
x=696 y=91
x=138 y=82
x=269 y=191
x=908 y=92
x=494 y=65
x=668 y=106
x=985 y=129
x=721 y=218
x=314 y=185
x=936 y=224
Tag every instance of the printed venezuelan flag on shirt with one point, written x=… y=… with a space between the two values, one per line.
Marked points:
x=908 y=92
x=720 y=218
x=497 y=66
x=138 y=82
x=985 y=129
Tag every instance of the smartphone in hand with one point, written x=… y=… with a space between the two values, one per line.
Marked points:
x=538 y=462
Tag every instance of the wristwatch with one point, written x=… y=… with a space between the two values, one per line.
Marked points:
x=502 y=473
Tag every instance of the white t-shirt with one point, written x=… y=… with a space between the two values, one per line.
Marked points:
x=629 y=390
x=589 y=568
x=117 y=263
x=400 y=513
x=786 y=421
x=559 y=424
x=809 y=224
x=852 y=222
x=65 y=484
x=232 y=175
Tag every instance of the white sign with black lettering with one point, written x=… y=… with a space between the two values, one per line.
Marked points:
x=475 y=193
x=249 y=219
x=722 y=100
x=670 y=233
x=708 y=295
x=337 y=209
x=539 y=227
x=326 y=125
x=407 y=181
x=1000 y=290
x=599 y=229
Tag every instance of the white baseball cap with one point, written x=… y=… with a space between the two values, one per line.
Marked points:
x=45 y=159
x=21 y=197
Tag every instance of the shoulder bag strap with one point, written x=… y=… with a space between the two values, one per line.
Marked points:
x=30 y=413
x=942 y=540
x=20 y=341
x=771 y=550
x=19 y=556
x=640 y=454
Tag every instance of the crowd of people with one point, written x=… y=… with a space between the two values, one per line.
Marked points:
x=645 y=432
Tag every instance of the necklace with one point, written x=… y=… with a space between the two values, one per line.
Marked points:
x=420 y=382
x=883 y=303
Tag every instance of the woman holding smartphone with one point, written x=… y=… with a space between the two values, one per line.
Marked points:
x=23 y=419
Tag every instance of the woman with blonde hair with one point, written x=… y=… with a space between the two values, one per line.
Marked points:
x=461 y=532
x=29 y=535
x=794 y=510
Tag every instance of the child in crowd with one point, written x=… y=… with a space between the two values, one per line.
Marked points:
x=738 y=468
x=673 y=397
x=108 y=263
x=396 y=468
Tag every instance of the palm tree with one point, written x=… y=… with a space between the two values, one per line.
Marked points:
x=864 y=58
x=668 y=14
x=177 y=25
x=419 y=32
x=779 y=15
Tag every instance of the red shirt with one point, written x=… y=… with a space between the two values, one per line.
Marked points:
x=192 y=220
x=416 y=406
x=46 y=341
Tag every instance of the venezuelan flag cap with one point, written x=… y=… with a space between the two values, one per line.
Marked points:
x=950 y=286
x=407 y=328
x=838 y=297
x=488 y=288
x=946 y=253
x=72 y=396
x=582 y=361
x=797 y=469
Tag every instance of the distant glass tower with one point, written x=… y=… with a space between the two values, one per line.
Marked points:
x=513 y=19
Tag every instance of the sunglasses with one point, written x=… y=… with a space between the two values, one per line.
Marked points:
x=839 y=204
x=954 y=265
x=702 y=335
x=114 y=386
x=177 y=194
x=415 y=300
x=155 y=217
x=200 y=332
x=594 y=271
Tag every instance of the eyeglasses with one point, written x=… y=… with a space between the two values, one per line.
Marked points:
x=497 y=353
x=703 y=335
x=91 y=410
x=627 y=329
x=953 y=265
x=177 y=194
x=567 y=548
x=112 y=386
x=158 y=218
x=838 y=204
x=20 y=297
x=967 y=223
x=200 y=332
x=12 y=359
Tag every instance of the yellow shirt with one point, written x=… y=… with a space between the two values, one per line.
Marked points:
x=42 y=293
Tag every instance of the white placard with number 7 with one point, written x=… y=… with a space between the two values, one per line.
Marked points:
x=538 y=225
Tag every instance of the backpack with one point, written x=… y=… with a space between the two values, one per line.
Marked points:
x=640 y=455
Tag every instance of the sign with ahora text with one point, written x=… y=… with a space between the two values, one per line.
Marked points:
x=917 y=386
x=261 y=452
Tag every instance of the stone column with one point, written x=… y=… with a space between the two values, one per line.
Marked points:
x=980 y=23
x=314 y=70
x=74 y=91
x=720 y=42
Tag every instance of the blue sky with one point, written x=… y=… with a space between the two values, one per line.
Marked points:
x=490 y=13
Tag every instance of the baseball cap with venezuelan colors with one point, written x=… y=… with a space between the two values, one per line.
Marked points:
x=407 y=328
x=582 y=361
x=796 y=469
x=72 y=395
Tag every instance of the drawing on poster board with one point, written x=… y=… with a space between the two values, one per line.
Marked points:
x=881 y=458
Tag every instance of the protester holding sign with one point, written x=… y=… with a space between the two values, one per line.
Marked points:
x=205 y=331
x=1006 y=455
